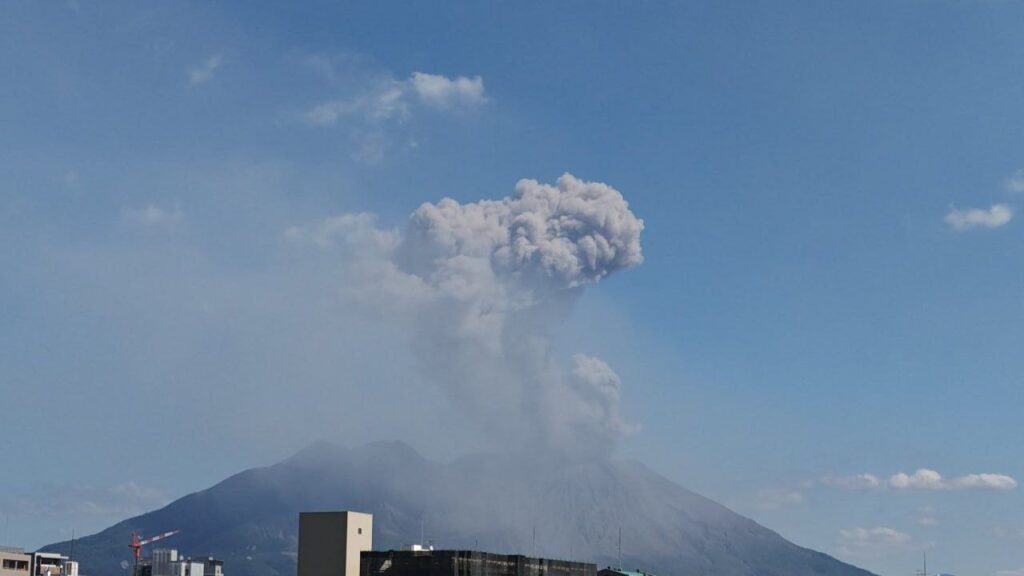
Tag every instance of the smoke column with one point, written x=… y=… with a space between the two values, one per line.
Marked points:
x=478 y=286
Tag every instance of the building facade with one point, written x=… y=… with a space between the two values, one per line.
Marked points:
x=15 y=562
x=53 y=564
x=330 y=543
x=162 y=560
x=467 y=563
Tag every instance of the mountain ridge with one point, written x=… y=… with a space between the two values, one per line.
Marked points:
x=486 y=501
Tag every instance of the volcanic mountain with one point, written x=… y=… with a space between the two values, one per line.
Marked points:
x=494 y=502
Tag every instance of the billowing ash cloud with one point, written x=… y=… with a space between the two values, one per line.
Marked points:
x=478 y=286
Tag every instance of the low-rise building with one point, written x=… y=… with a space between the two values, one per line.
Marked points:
x=167 y=562
x=609 y=571
x=15 y=562
x=51 y=564
x=467 y=563
x=161 y=561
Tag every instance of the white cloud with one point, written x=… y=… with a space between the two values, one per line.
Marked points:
x=1015 y=183
x=858 y=482
x=970 y=218
x=376 y=108
x=925 y=479
x=390 y=99
x=869 y=543
x=441 y=91
x=205 y=71
x=1017 y=572
x=983 y=482
x=922 y=479
x=778 y=499
x=151 y=216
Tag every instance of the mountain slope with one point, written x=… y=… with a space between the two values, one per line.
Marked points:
x=493 y=502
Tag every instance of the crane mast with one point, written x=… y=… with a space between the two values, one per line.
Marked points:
x=137 y=543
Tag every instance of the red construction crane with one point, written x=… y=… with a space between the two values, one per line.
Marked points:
x=136 y=545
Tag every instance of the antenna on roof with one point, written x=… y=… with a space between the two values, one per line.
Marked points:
x=620 y=547
x=924 y=569
x=533 y=551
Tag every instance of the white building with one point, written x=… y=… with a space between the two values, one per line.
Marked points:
x=167 y=562
x=162 y=560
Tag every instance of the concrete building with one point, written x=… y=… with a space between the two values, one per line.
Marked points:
x=188 y=567
x=212 y=567
x=162 y=561
x=51 y=564
x=609 y=571
x=167 y=562
x=15 y=562
x=467 y=563
x=341 y=544
x=330 y=543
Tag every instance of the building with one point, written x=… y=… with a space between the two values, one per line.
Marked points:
x=212 y=567
x=330 y=543
x=341 y=544
x=467 y=563
x=609 y=571
x=162 y=560
x=167 y=562
x=188 y=567
x=53 y=564
x=15 y=562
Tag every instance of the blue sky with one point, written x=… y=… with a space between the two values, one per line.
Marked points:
x=830 y=287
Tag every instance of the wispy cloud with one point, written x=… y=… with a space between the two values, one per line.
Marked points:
x=858 y=482
x=383 y=102
x=778 y=499
x=922 y=479
x=152 y=216
x=116 y=501
x=962 y=220
x=1017 y=572
x=390 y=99
x=206 y=70
x=1004 y=533
x=1015 y=183
x=870 y=543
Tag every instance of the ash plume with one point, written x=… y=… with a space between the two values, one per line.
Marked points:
x=477 y=287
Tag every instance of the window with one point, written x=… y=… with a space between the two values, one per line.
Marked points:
x=360 y=530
